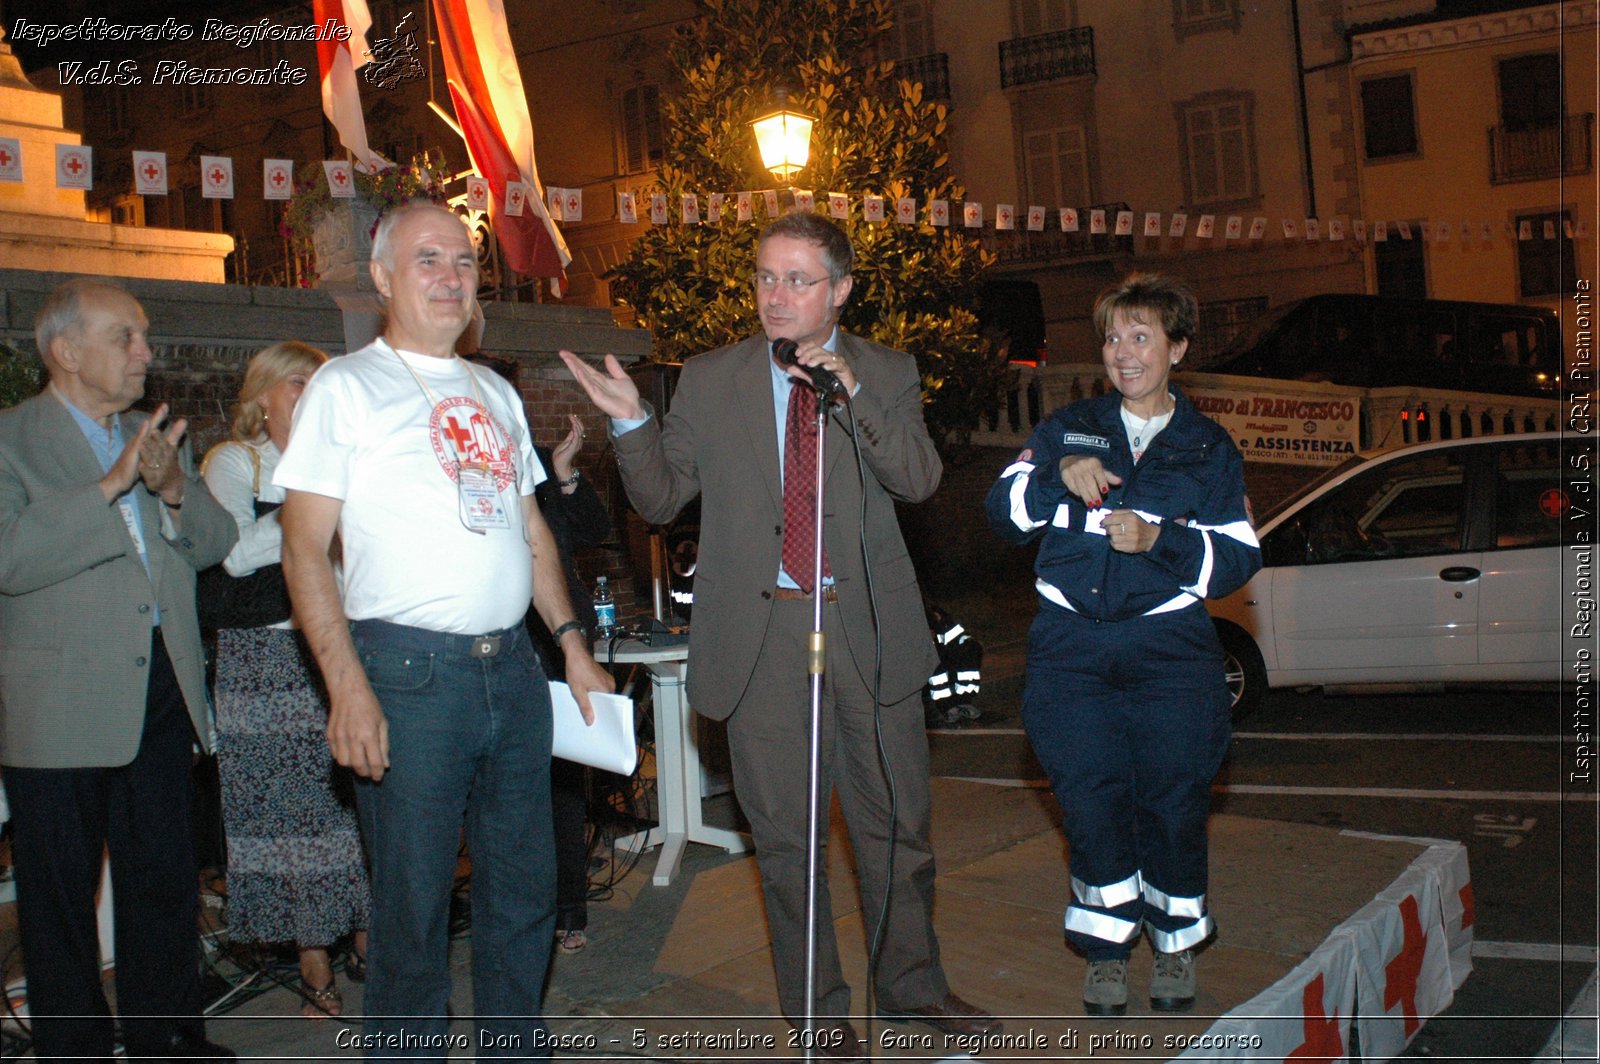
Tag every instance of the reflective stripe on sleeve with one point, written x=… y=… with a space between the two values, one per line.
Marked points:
x=1018 y=472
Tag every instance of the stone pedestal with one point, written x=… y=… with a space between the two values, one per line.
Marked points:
x=343 y=241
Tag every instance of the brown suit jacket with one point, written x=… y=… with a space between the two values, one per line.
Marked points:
x=76 y=602
x=719 y=441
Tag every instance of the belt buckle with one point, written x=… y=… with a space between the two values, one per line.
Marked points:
x=485 y=646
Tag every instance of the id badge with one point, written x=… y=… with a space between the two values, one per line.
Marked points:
x=481 y=508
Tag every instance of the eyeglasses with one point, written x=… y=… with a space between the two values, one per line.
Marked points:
x=794 y=282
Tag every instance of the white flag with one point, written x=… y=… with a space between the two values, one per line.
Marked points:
x=216 y=177
x=341 y=179
x=150 y=173
x=277 y=179
x=74 y=166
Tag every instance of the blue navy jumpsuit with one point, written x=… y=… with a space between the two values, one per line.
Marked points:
x=1125 y=703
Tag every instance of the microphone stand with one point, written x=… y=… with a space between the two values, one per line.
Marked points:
x=816 y=663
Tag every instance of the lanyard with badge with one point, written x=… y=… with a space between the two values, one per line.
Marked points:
x=477 y=498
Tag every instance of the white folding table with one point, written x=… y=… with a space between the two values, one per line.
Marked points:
x=677 y=760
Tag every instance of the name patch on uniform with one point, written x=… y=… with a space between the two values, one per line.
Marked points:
x=1079 y=439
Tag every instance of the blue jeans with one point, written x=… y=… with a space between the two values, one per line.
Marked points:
x=469 y=739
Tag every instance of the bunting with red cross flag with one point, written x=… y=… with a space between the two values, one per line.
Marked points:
x=150 y=173
x=1404 y=974
x=1305 y=1016
x=10 y=159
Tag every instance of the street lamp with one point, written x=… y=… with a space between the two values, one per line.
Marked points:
x=784 y=137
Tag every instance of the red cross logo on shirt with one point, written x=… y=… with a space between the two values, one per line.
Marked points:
x=151 y=171
x=460 y=437
x=1401 y=973
x=73 y=164
x=1323 y=1041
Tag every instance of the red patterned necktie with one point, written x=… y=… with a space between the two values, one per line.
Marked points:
x=800 y=487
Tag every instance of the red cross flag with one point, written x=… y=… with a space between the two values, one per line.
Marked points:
x=905 y=210
x=939 y=212
x=744 y=209
x=1179 y=225
x=1206 y=227
x=1097 y=221
x=805 y=199
x=150 y=173
x=713 y=206
x=769 y=197
x=341 y=178
x=1124 y=223
x=1152 y=223
x=1405 y=967
x=74 y=166
x=627 y=209
x=516 y=198
x=277 y=179
x=477 y=194
x=1005 y=216
x=216 y=177
x=972 y=215
x=872 y=208
x=339 y=61
x=689 y=209
x=491 y=108
x=1035 y=219
x=658 y=208
x=11 y=160
x=1069 y=219
x=572 y=204
x=839 y=205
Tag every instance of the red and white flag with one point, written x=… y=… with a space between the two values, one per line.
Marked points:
x=492 y=110
x=341 y=178
x=10 y=160
x=277 y=179
x=339 y=61
x=75 y=166
x=150 y=173
x=516 y=198
x=477 y=194
x=216 y=177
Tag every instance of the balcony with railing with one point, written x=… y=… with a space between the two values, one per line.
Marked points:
x=1560 y=149
x=1047 y=57
x=933 y=70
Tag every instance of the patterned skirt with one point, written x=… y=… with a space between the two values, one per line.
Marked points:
x=295 y=867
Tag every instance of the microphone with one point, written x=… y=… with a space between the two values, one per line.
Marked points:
x=823 y=380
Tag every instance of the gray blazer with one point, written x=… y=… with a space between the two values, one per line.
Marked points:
x=719 y=441
x=75 y=600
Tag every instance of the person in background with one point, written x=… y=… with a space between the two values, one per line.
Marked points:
x=577 y=518
x=1137 y=501
x=295 y=866
x=103 y=526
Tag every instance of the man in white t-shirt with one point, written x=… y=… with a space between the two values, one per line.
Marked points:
x=425 y=468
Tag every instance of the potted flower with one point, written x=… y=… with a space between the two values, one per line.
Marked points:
x=332 y=238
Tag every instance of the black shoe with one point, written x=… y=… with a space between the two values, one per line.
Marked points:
x=195 y=1047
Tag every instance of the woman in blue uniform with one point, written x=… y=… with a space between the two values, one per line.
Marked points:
x=1137 y=501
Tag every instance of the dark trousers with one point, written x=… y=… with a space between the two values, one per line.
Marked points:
x=65 y=820
x=1130 y=720
x=569 y=809
x=769 y=735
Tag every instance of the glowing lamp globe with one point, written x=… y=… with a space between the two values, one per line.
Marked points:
x=784 y=137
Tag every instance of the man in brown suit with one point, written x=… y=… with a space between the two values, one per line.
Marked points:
x=103 y=524
x=723 y=440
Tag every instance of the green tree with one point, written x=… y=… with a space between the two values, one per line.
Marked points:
x=916 y=286
x=20 y=376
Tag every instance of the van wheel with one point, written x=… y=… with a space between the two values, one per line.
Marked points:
x=1243 y=668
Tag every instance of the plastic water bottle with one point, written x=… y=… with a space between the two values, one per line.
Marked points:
x=605 y=610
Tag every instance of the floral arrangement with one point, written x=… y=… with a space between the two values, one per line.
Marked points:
x=421 y=178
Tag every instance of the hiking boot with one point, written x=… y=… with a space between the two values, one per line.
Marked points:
x=1105 y=988
x=1172 y=982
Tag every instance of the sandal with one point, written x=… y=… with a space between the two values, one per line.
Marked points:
x=355 y=965
x=319 y=1004
x=571 y=941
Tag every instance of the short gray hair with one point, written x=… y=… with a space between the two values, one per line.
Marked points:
x=63 y=309
x=385 y=231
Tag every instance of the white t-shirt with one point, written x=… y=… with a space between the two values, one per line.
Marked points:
x=386 y=439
